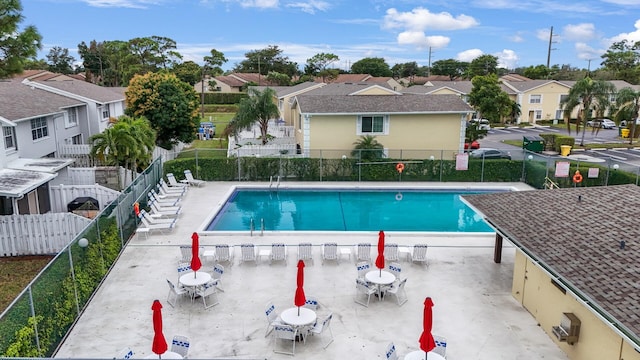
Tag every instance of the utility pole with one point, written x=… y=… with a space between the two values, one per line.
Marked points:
x=429 y=66
x=549 y=51
x=204 y=67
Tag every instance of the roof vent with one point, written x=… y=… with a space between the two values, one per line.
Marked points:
x=622 y=244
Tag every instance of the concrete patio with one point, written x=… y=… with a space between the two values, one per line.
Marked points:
x=474 y=309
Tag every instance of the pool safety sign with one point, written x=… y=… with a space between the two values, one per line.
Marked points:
x=562 y=168
x=462 y=161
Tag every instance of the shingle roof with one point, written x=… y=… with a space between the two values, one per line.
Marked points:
x=346 y=88
x=462 y=86
x=19 y=101
x=349 y=104
x=532 y=84
x=85 y=89
x=576 y=234
x=345 y=78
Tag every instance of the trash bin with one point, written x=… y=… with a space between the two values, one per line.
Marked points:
x=565 y=150
x=533 y=143
x=624 y=133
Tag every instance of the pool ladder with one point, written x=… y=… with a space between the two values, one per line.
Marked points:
x=277 y=184
x=252 y=227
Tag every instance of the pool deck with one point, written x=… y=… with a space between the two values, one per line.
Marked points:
x=473 y=309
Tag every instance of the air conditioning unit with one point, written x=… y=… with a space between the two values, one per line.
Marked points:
x=568 y=330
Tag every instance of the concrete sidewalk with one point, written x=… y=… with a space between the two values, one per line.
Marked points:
x=474 y=309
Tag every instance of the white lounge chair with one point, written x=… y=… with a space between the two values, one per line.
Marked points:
x=166 y=197
x=179 y=189
x=167 y=194
x=391 y=252
x=363 y=252
x=164 y=227
x=155 y=220
x=157 y=211
x=278 y=253
x=330 y=252
x=248 y=253
x=162 y=202
x=224 y=253
x=189 y=179
x=305 y=252
x=419 y=254
x=174 y=183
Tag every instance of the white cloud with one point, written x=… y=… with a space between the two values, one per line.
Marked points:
x=134 y=4
x=623 y=2
x=507 y=59
x=517 y=38
x=630 y=36
x=420 y=19
x=263 y=4
x=311 y=6
x=469 y=55
x=580 y=32
x=421 y=41
x=543 y=34
x=586 y=52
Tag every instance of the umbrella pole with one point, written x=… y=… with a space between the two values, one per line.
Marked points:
x=298 y=310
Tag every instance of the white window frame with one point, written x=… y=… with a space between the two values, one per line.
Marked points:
x=535 y=99
x=385 y=125
x=39 y=128
x=76 y=139
x=562 y=96
x=537 y=114
x=105 y=113
x=9 y=134
x=71 y=118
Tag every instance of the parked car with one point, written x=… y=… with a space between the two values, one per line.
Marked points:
x=488 y=153
x=623 y=123
x=474 y=145
x=483 y=124
x=602 y=123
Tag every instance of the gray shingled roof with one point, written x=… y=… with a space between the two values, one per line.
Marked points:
x=531 y=84
x=576 y=234
x=99 y=94
x=346 y=88
x=407 y=103
x=19 y=101
x=462 y=86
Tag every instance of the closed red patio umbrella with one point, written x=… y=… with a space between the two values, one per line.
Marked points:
x=300 y=299
x=159 y=345
x=195 y=253
x=380 y=258
x=426 y=339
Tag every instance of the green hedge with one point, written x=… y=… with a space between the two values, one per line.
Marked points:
x=221 y=98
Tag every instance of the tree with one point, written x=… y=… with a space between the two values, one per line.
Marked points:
x=278 y=78
x=450 y=67
x=367 y=148
x=482 y=65
x=266 y=60
x=213 y=63
x=33 y=64
x=628 y=101
x=537 y=72
x=588 y=95
x=623 y=58
x=371 y=66
x=474 y=132
x=488 y=99
x=188 y=71
x=405 y=70
x=60 y=61
x=259 y=108
x=317 y=66
x=170 y=105
x=15 y=46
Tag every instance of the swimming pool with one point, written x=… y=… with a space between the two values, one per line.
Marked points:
x=408 y=210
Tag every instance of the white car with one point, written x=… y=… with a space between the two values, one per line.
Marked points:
x=483 y=123
x=602 y=123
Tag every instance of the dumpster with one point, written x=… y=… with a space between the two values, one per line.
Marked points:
x=565 y=150
x=533 y=143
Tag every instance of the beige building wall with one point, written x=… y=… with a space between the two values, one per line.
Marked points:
x=546 y=302
x=548 y=108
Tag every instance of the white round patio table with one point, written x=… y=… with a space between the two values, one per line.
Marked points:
x=166 y=355
x=419 y=355
x=290 y=316
x=380 y=278
x=190 y=280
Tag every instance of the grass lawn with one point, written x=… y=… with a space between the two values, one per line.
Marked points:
x=205 y=149
x=15 y=275
x=220 y=120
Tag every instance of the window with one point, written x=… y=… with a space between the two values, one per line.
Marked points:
x=71 y=118
x=372 y=124
x=76 y=140
x=9 y=138
x=39 y=128
x=105 y=112
x=563 y=98
x=535 y=99
x=538 y=115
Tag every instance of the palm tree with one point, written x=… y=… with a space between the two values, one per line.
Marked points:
x=258 y=107
x=587 y=94
x=368 y=148
x=629 y=101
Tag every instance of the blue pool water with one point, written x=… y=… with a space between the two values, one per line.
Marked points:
x=348 y=210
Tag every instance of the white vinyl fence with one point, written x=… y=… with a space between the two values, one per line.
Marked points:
x=38 y=234
x=62 y=195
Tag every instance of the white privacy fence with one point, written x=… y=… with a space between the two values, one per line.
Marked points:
x=38 y=234
x=249 y=143
x=62 y=195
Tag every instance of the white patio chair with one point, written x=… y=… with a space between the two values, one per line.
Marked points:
x=395 y=269
x=330 y=252
x=180 y=344
x=174 y=183
x=183 y=268
x=286 y=333
x=218 y=271
x=278 y=253
x=363 y=252
x=311 y=302
x=175 y=292
x=224 y=253
x=273 y=318
x=397 y=289
x=364 y=290
x=363 y=268
x=191 y=180
x=391 y=353
x=305 y=252
x=321 y=326
x=419 y=254
x=391 y=252
x=208 y=290
x=185 y=252
x=125 y=353
x=248 y=253
x=441 y=345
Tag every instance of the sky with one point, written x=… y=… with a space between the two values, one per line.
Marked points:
x=516 y=31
